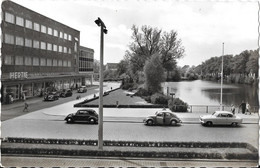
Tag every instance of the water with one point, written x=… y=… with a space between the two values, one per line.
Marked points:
x=200 y=92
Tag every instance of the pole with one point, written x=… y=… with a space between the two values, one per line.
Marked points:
x=100 y=118
x=221 y=91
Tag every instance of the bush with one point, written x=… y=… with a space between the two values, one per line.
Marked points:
x=127 y=86
x=142 y=92
x=159 y=98
x=177 y=105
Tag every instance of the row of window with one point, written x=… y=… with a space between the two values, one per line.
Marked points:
x=35 y=26
x=10 y=39
x=85 y=64
x=35 y=61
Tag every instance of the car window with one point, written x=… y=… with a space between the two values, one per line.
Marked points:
x=224 y=115
x=159 y=114
x=82 y=112
x=230 y=115
x=167 y=114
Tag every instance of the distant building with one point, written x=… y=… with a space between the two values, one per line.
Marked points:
x=86 y=63
x=111 y=66
x=38 y=54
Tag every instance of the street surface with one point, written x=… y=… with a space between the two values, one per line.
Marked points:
x=9 y=161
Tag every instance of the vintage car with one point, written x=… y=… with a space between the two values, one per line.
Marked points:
x=82 y=89
x=83 y=115
x=51 y=96
x=66 y=93
x=220 y=118
x=162 y=117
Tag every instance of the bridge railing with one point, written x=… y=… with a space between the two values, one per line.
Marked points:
x=211 y=109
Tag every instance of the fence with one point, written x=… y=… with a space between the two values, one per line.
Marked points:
x=211 y=109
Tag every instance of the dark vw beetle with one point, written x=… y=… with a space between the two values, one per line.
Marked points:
x=66 y=93
x=83 y=115
x=162 y=117
x=51 y=96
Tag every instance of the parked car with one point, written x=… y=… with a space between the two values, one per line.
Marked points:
x=220 y=118
x=82 y=89
x=51 y=96
x=83 y=115
x=66 y=93
x=162 y=117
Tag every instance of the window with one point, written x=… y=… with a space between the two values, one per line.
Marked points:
x=28 y=42
x=43 y=62
x=36 y=26
x=65 y=49
x=8 y=60
x=69 y=37
x=28 y=24
x=65 y=36
x=9 y=17
x=28 y=61
x=69 y=51
x=43 y=45
x=60 y=48
x=9 y=39
x=43 y=29
x=61 y=35
x=49 y=46
x=35 y=61
x=18 y=60
x=19 y=41
x=60 y=63
x=55 y=62
x=36 y=44
x=49 y=62
x=69 y=63
x=65 y=63
x=55 y=33
x=49 y=31
x=19 y=21
x=75 y=47
x=54 y=47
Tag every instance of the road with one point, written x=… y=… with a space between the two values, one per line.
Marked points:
x=9 y=161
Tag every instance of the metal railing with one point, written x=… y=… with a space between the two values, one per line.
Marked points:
x=211 y=109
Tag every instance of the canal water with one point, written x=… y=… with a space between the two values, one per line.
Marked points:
x=207 y=93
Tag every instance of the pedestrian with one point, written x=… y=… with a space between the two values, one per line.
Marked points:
x=248 y=110
x=26 y=105
x=243 y=107
x=233 y=109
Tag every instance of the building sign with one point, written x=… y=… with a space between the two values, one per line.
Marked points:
x=18 y=75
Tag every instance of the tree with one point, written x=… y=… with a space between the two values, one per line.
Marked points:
x=154 y=74
x=148 y=41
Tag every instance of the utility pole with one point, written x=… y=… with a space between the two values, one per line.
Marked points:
x=221 y=90
x=100 y=23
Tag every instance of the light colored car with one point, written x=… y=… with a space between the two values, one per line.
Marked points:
x=220 y=118
x=162 y=117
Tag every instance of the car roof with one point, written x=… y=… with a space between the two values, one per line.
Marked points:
x=224 y=112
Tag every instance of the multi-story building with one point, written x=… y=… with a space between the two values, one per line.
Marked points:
x=38 y=54
x=86 y=61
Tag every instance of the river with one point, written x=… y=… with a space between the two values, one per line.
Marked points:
x=201 y=92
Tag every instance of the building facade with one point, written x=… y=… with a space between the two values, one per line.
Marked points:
x=39 y=54
x=86 y=64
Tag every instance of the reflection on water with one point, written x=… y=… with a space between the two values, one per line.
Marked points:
x=208 y=93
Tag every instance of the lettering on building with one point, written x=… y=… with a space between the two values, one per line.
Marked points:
x=18 y=75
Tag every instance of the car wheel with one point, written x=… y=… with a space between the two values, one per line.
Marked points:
x=173 y=122
x=69 y=120
x=149 y=122
x=209 y=123
x=234 y=124
x=92 y=121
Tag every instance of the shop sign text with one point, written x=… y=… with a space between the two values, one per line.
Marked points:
x=18 y=75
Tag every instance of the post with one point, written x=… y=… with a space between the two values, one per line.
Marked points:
x=221 y=90
x=103 y=29
x=100 y=118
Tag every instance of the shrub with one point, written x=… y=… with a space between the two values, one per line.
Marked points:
x=127 y=86
x=159 y=98
x=177 y=105
x=142 y=92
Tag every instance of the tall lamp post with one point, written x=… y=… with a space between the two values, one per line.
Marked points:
x=100 y=23
x=221 y=89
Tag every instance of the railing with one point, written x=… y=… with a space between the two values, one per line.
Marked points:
x=211 y=109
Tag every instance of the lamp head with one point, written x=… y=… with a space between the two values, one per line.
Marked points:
x=98 y=22
x=105 y=30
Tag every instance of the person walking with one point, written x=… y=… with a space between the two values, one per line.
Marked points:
x=26 y=105
x=243 y=107
x=248 y=110
x=233 y=109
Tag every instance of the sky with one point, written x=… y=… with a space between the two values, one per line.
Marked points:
x=202 y=26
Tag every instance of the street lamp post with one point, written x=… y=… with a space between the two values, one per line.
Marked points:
x=100 y=23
